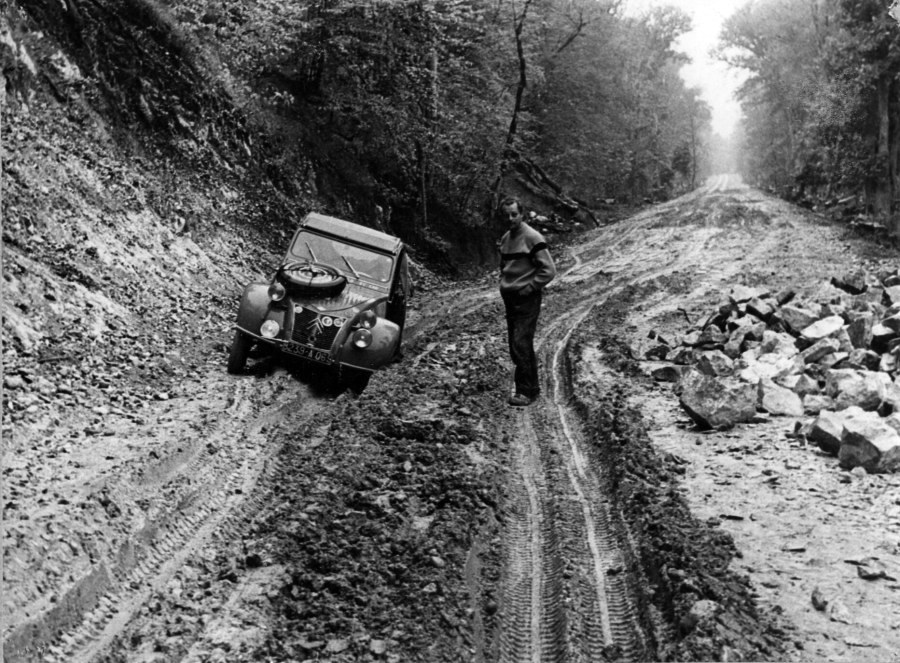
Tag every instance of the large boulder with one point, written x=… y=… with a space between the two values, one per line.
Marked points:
x=816 y=403
x=741 y=294
x=771 y=366
x=860 y=328
x=741 y=335
x=716 y=402
x=892 y=322
x=882 y=335
x=682 y=356
x=667 y=373
x=890 y=402
x=853 y=282
x=848 y=386
x=828 y=428
x=832 y=360
x=863 y=359
x=782 y=297
x=779 y=343
x=741 y=321
x=715 y=363
x=871 y=444
x=804 y=385
x=778 y=400
x=822 y=328
x=819 y=349
x=891 y=295
x=760 y=308
x=710 y=338
x=845 y=343
x=798 y=318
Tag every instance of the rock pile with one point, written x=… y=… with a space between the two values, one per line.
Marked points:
x=838 y=361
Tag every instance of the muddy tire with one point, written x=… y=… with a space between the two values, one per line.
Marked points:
x=240 y=349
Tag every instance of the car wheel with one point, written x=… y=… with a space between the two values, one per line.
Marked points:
x=240 y=349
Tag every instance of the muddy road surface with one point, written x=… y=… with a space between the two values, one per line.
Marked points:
x=273 y=517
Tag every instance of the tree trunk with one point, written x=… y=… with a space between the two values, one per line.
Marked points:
x=884 y=179
x=431 y=117
x=894 y=154
x=423 y=183
x=523 y=78
x=693 y=152
x=509 y=150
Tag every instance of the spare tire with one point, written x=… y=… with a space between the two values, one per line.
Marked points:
x=312 y=278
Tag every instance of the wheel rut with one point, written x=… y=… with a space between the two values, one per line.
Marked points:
x=205 y=489
x=563 y=547
x=571 y=587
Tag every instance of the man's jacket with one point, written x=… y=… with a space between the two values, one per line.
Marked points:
x=525 y=262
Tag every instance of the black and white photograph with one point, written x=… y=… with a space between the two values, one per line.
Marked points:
x=450 y=331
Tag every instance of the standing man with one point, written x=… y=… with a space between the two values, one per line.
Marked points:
x=525 y=268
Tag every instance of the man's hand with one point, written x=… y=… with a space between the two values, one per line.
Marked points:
x=527 y=290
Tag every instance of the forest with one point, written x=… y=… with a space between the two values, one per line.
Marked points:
x=821 y=101
x=436 y=105
x=415 y=116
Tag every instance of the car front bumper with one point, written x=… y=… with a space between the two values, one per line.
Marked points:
x=294 y=348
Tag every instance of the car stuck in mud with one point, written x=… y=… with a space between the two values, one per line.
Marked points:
x=337 y=300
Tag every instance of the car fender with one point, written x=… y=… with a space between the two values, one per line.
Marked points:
x=385 y=339
x=254 y=307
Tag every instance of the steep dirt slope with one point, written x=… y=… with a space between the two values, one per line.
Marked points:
x=121 y=264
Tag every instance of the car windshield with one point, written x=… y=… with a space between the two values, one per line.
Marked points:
x=352 y=260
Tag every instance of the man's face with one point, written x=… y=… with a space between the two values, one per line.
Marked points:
x=512 y=214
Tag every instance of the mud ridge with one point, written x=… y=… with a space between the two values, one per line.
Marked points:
x=681 y=560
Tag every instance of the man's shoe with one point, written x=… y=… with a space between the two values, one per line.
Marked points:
x=520 y=400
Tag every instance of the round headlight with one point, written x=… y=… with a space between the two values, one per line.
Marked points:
x=362 y=338
x=277 y=292
x=367 y=319
x=326 y=321
x=269 y=329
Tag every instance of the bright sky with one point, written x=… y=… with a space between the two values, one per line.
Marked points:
x=716 y=81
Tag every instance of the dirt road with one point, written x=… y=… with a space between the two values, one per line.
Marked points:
x=269 y=517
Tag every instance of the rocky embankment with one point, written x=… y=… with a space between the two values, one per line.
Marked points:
x=772 y=353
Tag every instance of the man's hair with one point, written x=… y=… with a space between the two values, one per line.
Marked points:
x=509 y=201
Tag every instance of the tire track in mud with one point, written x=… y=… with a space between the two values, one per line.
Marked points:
x=220 y=536
x=581 y=541
x=531 y=611
x=206 y=489
x=586 y=537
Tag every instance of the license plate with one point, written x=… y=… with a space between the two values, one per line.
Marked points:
x=307 y=352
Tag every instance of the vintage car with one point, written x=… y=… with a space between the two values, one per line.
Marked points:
x=338 y=300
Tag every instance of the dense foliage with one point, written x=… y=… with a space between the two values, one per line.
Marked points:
x=420 y=111
x=822 y=100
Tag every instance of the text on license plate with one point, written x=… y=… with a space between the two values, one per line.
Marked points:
x=307 y=352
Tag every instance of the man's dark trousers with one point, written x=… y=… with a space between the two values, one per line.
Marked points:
x=521 y=320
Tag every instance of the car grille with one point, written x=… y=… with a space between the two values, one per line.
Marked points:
x=309 y=330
